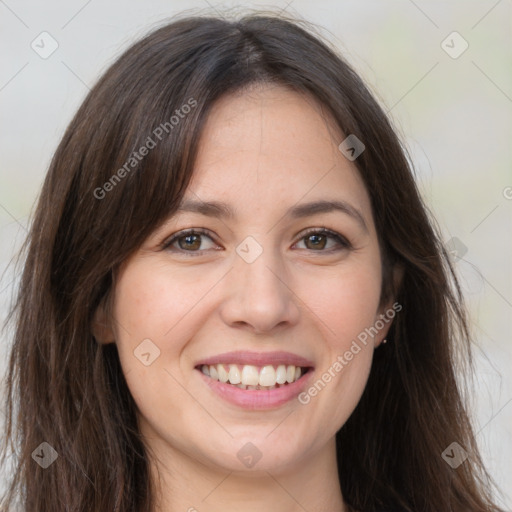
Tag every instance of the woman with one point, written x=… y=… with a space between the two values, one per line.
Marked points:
x=233 y=297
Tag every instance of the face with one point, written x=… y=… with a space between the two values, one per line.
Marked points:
x=251 y=296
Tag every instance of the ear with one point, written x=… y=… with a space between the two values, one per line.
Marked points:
x=101 y=326
x=387 y=312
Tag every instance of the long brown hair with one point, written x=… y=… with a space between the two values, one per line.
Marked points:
x=67 y=390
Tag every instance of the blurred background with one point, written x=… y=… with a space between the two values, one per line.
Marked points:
x=442 y=71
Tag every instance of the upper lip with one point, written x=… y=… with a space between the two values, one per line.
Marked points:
x=257 y=359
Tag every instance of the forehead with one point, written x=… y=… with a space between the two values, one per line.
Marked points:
x=270 y=147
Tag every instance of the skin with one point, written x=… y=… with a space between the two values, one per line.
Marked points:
x=262 y=151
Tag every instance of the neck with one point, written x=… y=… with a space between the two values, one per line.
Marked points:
x=185 y=484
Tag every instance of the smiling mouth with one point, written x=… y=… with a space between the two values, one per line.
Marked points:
x=250 y=377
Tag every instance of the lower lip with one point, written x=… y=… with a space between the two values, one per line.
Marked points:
x=257 y=399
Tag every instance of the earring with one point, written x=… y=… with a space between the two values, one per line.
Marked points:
x=384 y=340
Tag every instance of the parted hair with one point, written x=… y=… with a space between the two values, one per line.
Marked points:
x=66 y=389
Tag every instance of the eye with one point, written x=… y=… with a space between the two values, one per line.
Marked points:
x=317 y=240
x=190 y=241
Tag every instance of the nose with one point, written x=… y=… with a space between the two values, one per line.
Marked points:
x=259 y=297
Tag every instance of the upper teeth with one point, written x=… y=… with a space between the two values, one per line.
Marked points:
x=249 y=375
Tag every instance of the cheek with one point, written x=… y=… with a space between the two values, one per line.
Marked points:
x=348 y=301
x=347 y=309
x=148 y=312
x=152 y=302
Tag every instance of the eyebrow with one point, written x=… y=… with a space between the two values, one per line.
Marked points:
x=222 y=210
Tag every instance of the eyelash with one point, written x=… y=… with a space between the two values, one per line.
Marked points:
x=341 y=240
